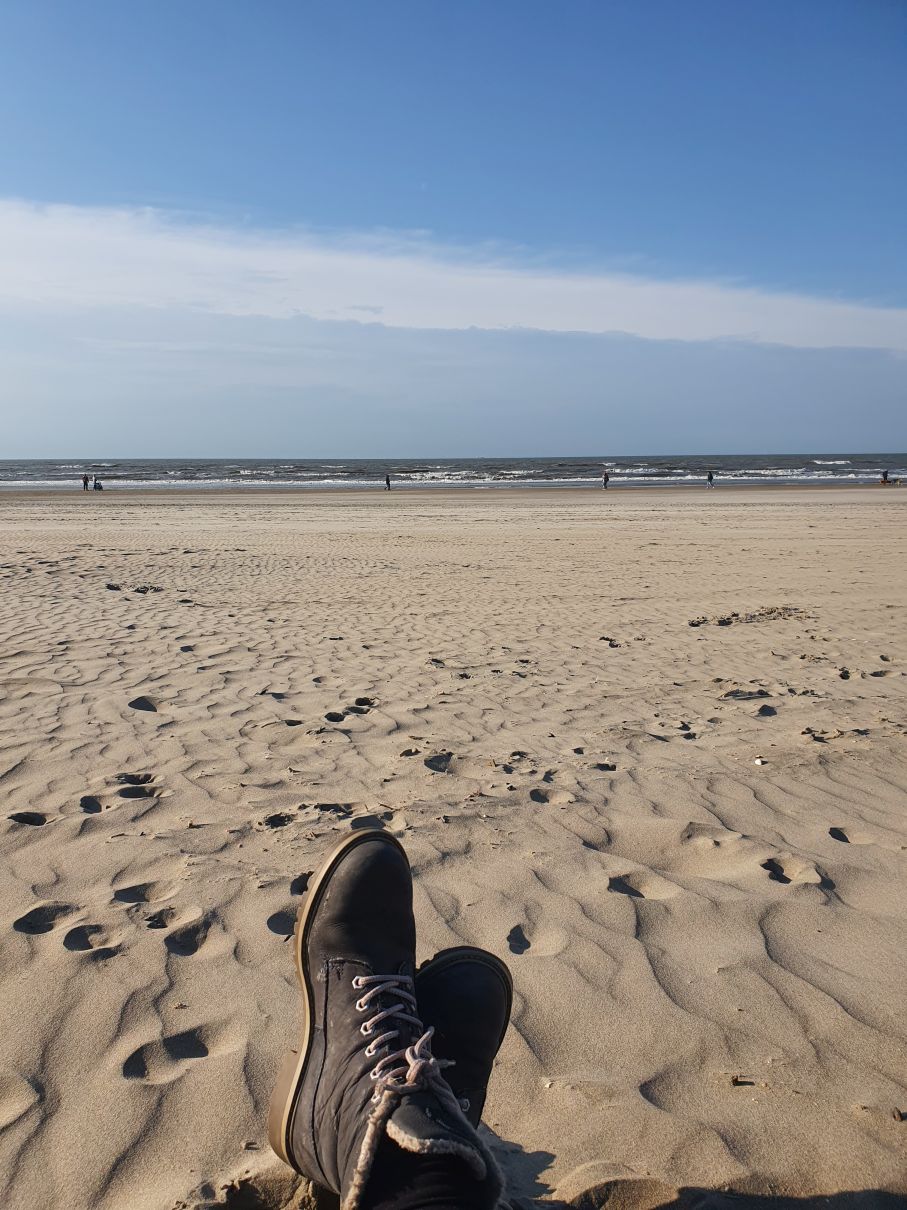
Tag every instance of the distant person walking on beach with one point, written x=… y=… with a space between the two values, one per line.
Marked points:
x=85 y=483
x=605 y=480
x=710 y=480
x=387 y=483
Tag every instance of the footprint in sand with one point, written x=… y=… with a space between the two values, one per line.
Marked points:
x=555 y=798
x=90 y=804
x=161 y=919
x=282 y=922
x=145 y=892
x=92 y=940
x=619 y=884
x=787 y=870
x=848 y=836
x=163 y=1061
x=279 y=819
x=375 y=823
x=137 y=785
x=517 y=940
x=439 y=763
x=545 y=940
x=300 y=883
x=82 y=937
x=188 y=940
x=148 y=704
x=776 y=870
x=34 y=819
x=641 y=884
x=43 y=918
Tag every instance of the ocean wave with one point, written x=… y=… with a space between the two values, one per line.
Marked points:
x=501 y=473
x=249 y=486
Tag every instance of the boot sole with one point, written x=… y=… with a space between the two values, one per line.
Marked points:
x=292 y=1068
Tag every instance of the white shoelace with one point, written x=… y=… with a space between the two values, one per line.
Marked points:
x=408 y=1067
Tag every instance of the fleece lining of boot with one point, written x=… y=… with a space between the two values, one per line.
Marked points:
x=411 y=1142
x=372 y=1137
x=480 y=1165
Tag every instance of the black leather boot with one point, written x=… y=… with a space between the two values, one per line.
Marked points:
x=466 y=995
x=364 y=1071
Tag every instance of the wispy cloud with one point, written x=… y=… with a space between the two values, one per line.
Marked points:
x=63 y=258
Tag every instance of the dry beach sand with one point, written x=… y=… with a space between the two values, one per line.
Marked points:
x=688 y=841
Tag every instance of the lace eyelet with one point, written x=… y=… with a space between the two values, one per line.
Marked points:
x=365 y=1029
x=369 y=1051
x=373 y=1075
x=357 y=982
x=360 y=1007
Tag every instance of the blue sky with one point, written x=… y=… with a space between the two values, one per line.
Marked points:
x=349 y=187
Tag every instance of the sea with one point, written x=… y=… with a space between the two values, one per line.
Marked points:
x=251 y=474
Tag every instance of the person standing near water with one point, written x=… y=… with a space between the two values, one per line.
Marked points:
x=85 y=482
x=710 y=480
x=387 y=483
x=605 y=479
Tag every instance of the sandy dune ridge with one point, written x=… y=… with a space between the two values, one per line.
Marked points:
x=688 y=841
